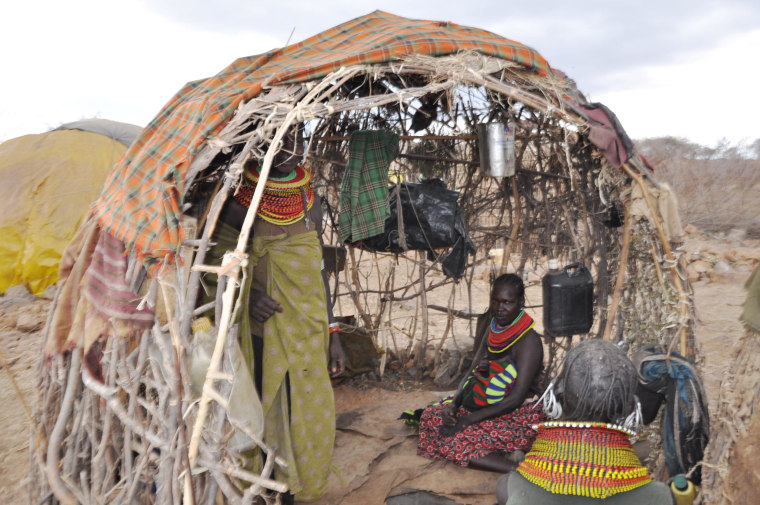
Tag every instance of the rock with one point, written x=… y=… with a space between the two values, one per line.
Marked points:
x=723 y=272
x=736 y=235
x=700 y=266
x=496 y=254
x=430 y=359
x=361 y=354
x=691 y=230
x=18 y=291
x=692 y=273
x=16 y=295
x=732 y=277
x=721 y=267
x=50 y=292
x=742 y=268
x=446 y=373
x=28 y=323
x=732 y=256
x=751 y=255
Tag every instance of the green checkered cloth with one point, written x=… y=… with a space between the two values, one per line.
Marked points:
x=364 y=188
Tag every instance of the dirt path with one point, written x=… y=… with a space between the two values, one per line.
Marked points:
x=375 y=454
x=20 y=341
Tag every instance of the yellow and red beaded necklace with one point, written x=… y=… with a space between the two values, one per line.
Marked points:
x=583 y=459
x=285 y=199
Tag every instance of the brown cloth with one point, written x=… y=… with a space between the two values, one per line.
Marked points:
x=608 y=135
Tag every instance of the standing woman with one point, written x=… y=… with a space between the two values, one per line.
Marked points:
x=293 y=346
x=488 y=417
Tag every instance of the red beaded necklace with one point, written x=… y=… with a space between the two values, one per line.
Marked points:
x=500 y=339
x=284 y=200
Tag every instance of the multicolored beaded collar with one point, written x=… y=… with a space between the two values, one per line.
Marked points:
x=284 y=200
x=501 y=339
x=583 y=459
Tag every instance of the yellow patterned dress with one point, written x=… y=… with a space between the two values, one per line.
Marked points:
x=296 y=350
x=296 y=393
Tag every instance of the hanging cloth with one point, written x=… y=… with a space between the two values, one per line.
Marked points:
x=364 y=188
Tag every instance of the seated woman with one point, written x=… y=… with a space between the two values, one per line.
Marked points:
x=585 y=457
x=488 y=418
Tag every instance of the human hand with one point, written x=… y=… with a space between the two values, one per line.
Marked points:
x=448 y=429
x=337 y=357
x=449 y=414
x=262 y=306
x=483 y=366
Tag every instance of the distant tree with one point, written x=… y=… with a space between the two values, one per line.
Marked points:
x=660 y=149
x=724 y=150
x=716 y=186
x=754 y=149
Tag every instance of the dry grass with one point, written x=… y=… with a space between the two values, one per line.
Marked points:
x=717 y=191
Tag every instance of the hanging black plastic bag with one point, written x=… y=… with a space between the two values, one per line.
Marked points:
x=431 y=220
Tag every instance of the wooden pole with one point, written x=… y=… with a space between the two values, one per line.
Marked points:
x=419 y=358
x=622 y=268
x=515 y=227
x=405 y=137
x=677 y=282
x=60 y=489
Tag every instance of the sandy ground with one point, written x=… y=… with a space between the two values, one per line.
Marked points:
x=375 y=454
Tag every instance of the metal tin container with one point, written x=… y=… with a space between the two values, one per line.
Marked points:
x=497 y=149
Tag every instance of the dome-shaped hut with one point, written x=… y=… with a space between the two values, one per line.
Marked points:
x=50 y=179
x=118 y=420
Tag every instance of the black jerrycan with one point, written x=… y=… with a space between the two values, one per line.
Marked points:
x=568 y=300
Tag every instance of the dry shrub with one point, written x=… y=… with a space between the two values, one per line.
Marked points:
x=718 y=189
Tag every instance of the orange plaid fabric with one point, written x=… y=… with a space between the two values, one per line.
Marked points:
x=141 y=200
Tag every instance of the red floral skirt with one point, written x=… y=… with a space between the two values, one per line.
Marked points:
x=510 y=432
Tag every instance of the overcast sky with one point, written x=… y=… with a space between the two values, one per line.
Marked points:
x=667 y=67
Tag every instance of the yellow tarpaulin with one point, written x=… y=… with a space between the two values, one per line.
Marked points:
x=48 y=183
